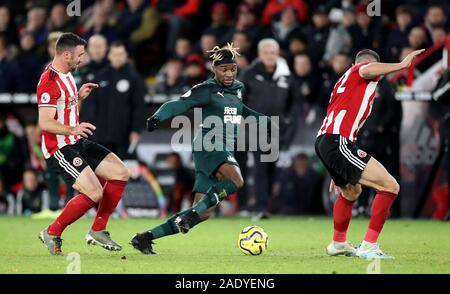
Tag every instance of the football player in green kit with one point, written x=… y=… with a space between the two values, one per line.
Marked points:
x=217 y=173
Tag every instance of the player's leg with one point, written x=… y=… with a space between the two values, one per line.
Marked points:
x=230 y=181
x=90 y=193
x=377 y=177
x=144 y=241
x=110 y=168
x=342 y=214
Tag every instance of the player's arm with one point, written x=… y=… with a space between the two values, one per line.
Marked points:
x=48 y=123
x=375 y=69
x=85 y=90
x=192 y=98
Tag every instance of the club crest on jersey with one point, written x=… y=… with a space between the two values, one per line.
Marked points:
x=239 y=94
x=361 y=153
x=45 y=97
x=72 y=101
x=77 y=161
x=230 y=115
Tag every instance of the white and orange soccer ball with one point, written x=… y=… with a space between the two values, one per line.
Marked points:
x=253 y=240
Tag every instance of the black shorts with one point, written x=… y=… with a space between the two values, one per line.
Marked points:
x=343 y=159
x=70 y=160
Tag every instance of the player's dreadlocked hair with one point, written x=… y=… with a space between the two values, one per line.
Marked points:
x=224 y=55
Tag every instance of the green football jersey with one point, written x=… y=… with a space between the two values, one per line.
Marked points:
x=221 y=105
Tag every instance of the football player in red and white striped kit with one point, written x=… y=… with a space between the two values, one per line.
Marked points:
x=350 y=167
x=97 y=173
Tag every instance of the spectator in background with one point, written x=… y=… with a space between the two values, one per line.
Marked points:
x=173 y=82
x=317 y=34
x=117 y=107
x=304 y=84
x=33 y=197
x=286 y=28
x=297 y=45
x=434 y=17
x=241 y=40
x=35 y=24
x=273 y=9
x=27 y=65
x=96 y=49
x=364 y=34
x=417 y=38
x=247 y=22
x=195 y=69
x=339 y=64
x=175 y=14
x=297 y=188
x=184 y=182
x=59 y=19
x=183 y=48
x=266 y=84
x=340 y=39
x=6 y=67
x=7 y=202
x=51 y=46
x=107 y=6
x=220 y=14
x=12 y=155
x=100 y=26
x=7 y=26
x=398 y=37
x=438 y=34
x=208 y=41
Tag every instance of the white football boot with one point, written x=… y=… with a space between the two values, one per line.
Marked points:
x=341 y=248
x=371 y=251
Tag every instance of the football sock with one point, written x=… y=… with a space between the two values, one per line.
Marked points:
x=214 y=195
x=342 y=213
x=112 y=193
x=168 y=227
x=74 y=209
x=380 y=212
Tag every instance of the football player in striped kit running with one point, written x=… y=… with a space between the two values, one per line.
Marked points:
x=350 y=167
x=97 y=173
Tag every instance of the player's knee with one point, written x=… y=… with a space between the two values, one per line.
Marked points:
x=95 y=194
x=351 y=195
x=392 y=186
x=122 y=173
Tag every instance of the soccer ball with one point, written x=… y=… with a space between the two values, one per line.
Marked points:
x=253 y=240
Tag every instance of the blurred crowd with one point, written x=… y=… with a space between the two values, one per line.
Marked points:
x=157 y=49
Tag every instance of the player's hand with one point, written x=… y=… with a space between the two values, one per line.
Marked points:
x=152 y=123
x=84 y=130
x=86 y=89
x=410 y=57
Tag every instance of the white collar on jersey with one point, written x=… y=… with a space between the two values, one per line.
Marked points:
x=60 y=73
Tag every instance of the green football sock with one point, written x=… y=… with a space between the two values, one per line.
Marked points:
x=167 y=228
x=214 y=195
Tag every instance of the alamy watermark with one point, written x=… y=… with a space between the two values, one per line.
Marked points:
x=374 y=267
x=73 y=8
x=74 y=266
x=374 y=8
x=228 y=133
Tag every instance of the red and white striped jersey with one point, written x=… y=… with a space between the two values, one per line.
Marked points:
x=350 y=104
x=58 y=90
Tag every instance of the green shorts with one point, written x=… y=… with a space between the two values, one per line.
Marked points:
x=206 y=164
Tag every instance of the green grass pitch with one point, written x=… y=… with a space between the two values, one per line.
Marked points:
x=296 y=245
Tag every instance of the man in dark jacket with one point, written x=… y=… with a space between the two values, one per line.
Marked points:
x=117 y=108
x=267 y=91
x=96 y=49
